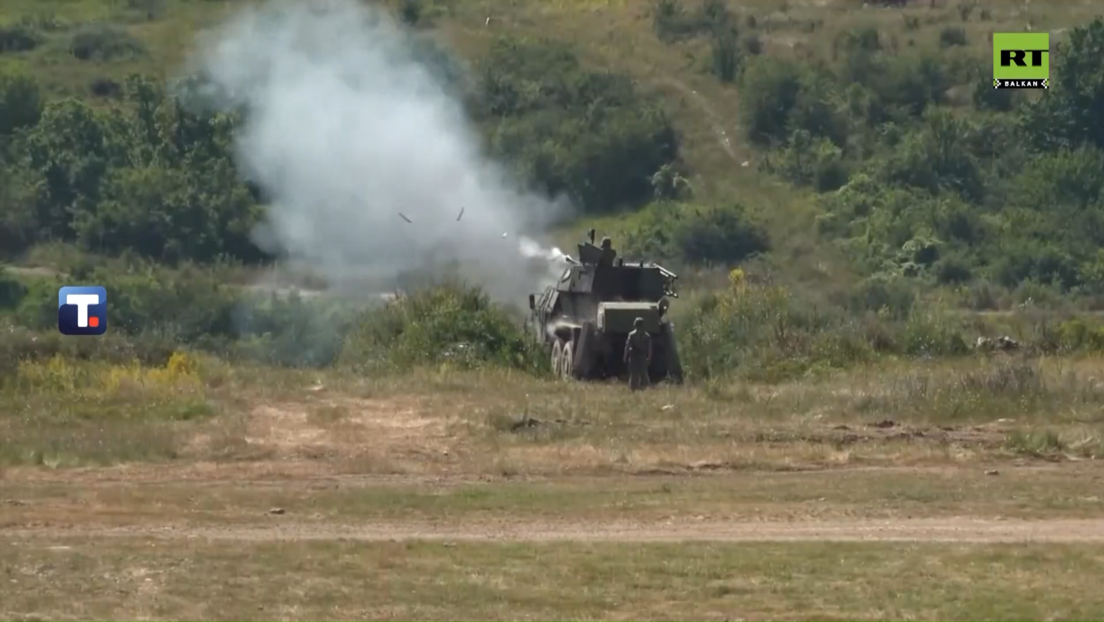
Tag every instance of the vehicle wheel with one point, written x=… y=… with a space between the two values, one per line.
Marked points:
x=568 y=362
x=583 y=367
x=557 y=357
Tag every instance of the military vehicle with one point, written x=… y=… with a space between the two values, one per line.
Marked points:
x=585 y=318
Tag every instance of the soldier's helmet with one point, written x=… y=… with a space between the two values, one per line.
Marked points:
x=638 y=322
x=606 y=244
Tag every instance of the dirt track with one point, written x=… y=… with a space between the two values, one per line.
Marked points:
x=65 y=516
x=919 y=530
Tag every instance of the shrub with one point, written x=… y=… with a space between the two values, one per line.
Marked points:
x=780 y=96
x=888 y=295
x=411 y=12
x=762 y=331
x=722 y=235
x=952 y=36
x=21 y=102
x=21 y=345
x=671 y=22
x=11 y=290
x=450 y=323
x=104 y=42
x=725 y=56
x=105 y=87
x=1071 y=115
x=17 y=38
x=589 y=135
x=812 y=162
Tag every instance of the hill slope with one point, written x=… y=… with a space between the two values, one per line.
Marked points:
x=674 y=50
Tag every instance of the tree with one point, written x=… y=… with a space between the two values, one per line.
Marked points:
x=1072 y=113
x=20 y=102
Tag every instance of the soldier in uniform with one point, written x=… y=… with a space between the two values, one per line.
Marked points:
x=638 y=354
x=608 y=254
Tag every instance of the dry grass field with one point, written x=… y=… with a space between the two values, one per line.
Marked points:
x=969 y=489
x=199 y=490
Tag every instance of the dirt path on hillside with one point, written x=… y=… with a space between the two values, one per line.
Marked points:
x=961 y=530
x=716 y=121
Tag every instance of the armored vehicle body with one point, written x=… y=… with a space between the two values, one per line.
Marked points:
x=585 y=318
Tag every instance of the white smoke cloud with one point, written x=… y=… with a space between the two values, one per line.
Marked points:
x=347 y=131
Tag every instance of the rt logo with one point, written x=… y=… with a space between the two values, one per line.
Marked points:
x=1021 y=60
x=82 y=310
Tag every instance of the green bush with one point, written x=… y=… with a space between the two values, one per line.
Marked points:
x=952 y=36
x=998 y=207
x=17 y=38
x=763 y=332
x=780 y=96
x=935 y=157
x=156 y=175
x=451 y=323
x=916 y=194
x=673 y=232
x=22 y=344
x=20 y=102
x=1071 y=114
x=985 y=97
x=1079 y=334
x=194 y=307
x=808 y=161
x=11 y=291
x=589 y=135
x=767 y=332
x=671 y=22
x=725 y=56
x=104 y=42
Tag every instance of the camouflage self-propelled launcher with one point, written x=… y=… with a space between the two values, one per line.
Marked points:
x=586 y=317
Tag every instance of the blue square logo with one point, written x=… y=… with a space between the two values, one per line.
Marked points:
x=82 y=310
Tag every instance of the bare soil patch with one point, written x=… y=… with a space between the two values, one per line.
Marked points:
x=965 y=529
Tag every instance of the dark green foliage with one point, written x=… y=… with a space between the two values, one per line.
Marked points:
x=723 y=235
x=105 y=87
x=753 y=45
x=672 y=22
x=152 y=182
x=104 y=42
x=568 y=130
x=11 y=291
x=988 y=98
x=1008 y=192
x=21 y=344
x=780 y=95
x=952 y=36
x=996 y=203
x=155 y=179
x=156 y=176
x=666 y=18
x=809 y=161
x=725 y=56
x=1072 y=114
x=195 y=307
x=17 y=38
x=901 y=86
x=719 y=235
x=768 y=333
x=450 y=323
x=935 y=157
x=20 y=102
x=891 y=296
x=953 y=271
x=410 y=11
